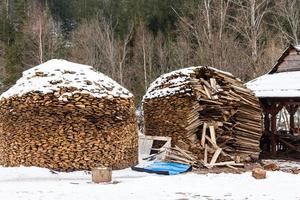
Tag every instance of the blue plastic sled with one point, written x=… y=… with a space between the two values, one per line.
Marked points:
x=166 y=168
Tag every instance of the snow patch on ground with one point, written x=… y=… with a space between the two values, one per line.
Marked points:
x=50 y=76
x=37 y=183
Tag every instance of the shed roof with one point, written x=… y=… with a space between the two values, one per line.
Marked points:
x=284 y=84
x=278 y=83
x=285 y=53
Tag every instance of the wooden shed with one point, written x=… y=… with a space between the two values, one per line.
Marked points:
x=279 y=90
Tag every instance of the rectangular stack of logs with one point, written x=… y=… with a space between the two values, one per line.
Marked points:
x=218 y=120
x=78 y=133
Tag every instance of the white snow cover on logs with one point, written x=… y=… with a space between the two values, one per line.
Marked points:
x=54 y=74
x=175 y=81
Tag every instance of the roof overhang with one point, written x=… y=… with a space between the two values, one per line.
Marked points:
x=279 y=85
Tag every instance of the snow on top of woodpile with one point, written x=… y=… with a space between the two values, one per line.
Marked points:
x=175 y=82
x=283 y=84
x=54 y=74
x=297 y=47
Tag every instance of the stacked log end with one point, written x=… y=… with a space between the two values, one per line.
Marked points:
x=66 y=127
x=205 y=111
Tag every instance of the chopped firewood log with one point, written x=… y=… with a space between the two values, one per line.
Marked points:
x=259 y=173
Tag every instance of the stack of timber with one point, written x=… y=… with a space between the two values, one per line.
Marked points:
x=207 y=112
x=65 y=116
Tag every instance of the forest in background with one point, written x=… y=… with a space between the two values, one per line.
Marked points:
x=135 y=41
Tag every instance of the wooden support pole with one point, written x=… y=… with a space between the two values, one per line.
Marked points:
x=274 y=109
x=292 y=123
x=273 y=132
x=266 y=122
x=266 y=129
x=292 y=109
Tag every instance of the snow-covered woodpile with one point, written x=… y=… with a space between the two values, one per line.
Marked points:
x=66 y=116
x=205 y=111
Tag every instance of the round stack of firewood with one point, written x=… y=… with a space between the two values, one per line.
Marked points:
x=65 y=116
x=207 y=112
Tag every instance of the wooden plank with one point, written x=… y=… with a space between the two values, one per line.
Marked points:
x=203 y=134
x=289 y=145
x=145 y=146
x=210 y=101
x=207 y=92
x=213 y=144
x=205 y=155
x=215 y=156
x=212 y=134
x=213 y=83
x=184 y=153
x=231 y=163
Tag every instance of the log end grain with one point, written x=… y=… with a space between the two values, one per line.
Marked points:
x=271 y=167
x=259 y=173
x=102 y=174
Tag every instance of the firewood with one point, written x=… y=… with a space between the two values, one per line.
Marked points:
x=185 y=104
x=259 y=173
x=101 y=174
x=68 y=128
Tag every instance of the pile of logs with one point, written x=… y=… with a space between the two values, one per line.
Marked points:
x=77 y=131
x=207 y=112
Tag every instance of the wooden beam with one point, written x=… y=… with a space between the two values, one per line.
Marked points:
x=212 y=133
x=215 y=157
x=289 y=145
x=203 y=134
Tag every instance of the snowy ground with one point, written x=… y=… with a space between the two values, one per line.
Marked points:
x=37 y=183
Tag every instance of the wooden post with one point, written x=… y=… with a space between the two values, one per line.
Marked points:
x=266 y=130
x=275 y=108
x=292 y=122
x=266 y=122
x=292 y=110
x=101 y=174
x=273 y=132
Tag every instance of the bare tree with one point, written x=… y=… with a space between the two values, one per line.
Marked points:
x=287 y=19
x=206 y=28
x=123 y=51
x=184 y=53
x=143 y=44
x=249 y=24
x=2 y=63
x=94 y=44
x=223 y=10
x=41 y=37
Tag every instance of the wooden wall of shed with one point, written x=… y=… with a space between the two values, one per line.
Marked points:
x=290 y=63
